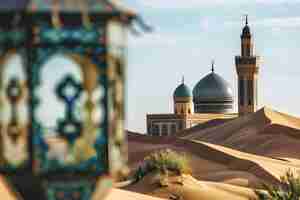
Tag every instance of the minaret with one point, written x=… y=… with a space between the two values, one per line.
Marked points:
x=247 y=66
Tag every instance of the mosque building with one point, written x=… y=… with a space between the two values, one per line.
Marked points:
x=212 y=97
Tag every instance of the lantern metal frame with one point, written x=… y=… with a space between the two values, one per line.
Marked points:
x=34 y=37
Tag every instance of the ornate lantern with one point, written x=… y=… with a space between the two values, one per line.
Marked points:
x=61 y=124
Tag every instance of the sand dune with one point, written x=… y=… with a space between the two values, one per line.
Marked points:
x=116 y=194
x=228 y=157
x=213 y=162
x=190 y=189
x=266 y=132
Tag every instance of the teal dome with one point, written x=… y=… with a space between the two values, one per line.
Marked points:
x=182 y=91
x=212 y=87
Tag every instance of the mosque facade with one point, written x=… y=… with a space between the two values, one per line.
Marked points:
x=212 y=97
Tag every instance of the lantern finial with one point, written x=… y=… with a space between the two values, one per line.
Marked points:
x=55 y=14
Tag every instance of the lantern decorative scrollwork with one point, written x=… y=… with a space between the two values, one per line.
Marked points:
x=14 y=111
x=14 y=94
x=69 y=91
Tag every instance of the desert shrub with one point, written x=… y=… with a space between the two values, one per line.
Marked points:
x=167 y=160
x=289 y=189
x=163 y=161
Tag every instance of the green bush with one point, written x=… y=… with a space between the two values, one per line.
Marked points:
x=164 y=161
x=289 y=189
x=167 y=160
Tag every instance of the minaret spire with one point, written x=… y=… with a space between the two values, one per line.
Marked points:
x=246 y=19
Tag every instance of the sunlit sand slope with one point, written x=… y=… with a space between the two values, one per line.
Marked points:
x=266 y=132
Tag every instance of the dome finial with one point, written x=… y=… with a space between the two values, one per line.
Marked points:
x=213 y=65
x=182 y=80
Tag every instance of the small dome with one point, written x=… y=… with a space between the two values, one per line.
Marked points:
x=213 y=94
x=182 y=91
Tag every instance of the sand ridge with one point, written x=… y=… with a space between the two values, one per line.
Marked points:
x=266 y=132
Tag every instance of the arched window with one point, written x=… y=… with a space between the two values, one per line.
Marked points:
x=173 y=129
x=180 y=125
x=248 y=50
x=250 y=92
x=155 y=130
x=165 y=130
x=241 y=91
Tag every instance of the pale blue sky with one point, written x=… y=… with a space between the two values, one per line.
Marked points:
x=190 y=33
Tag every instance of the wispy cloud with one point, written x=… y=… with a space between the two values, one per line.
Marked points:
x=280 y=22
x=179 y=3
x=189 y=4
x=162 y=39
x=204 y=24
x=274 y=2
x=275 y=23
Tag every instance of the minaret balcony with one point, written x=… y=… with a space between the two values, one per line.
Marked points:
x=247 y=60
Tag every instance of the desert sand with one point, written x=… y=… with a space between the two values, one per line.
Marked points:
x=229 y=158
x=190 y=189
x=116 y=194
x=266 y=132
